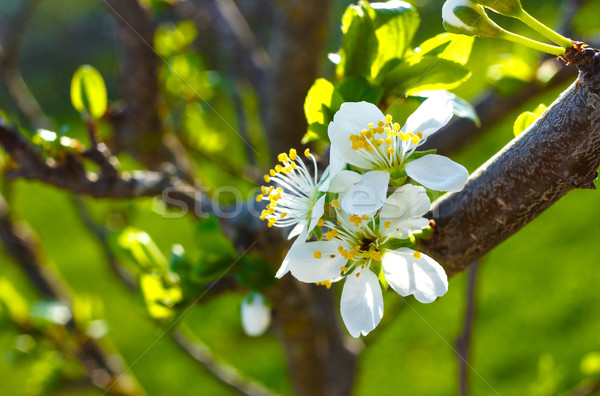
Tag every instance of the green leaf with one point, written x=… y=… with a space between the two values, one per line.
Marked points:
x=88 y=91
x=172 y=38
x=395 y=23
x=359 y=43
x=420 y=154
x=321 y=102
x=449 y=46
x=160 y=296
x=13 y=302
x=255 y=272
x=424 y=74
x=357 y=89
x=142 y=249
x=525 y=119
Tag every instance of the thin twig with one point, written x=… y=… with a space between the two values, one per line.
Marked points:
x=463 y=341
x=225 y=373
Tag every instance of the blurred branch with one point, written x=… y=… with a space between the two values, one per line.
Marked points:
x=463 y=341
x=587 y=389
x=301 y=35
x=10 y=48
x=226 y=374
x=558 y=153
x=138 y=125
x=569 y=11
x=21 y=246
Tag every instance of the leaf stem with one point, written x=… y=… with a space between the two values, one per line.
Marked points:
x=550 y=49
x=544 y=30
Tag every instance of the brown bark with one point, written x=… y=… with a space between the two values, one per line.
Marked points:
x=558 y=153
x=302 y=33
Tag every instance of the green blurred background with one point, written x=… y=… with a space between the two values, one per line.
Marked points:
x=537 y=328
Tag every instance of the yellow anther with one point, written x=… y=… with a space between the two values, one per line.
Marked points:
x=293 y=154
x=396 y=126
x=282 y=215
x=404 y=137
x=272 y=221
x=326 y=283
x=410 y=134
x=307 y=153
x=420 y=135
x=357 y=274
x=271 y=188
x=354 y=138
x=264 y=190
x=259 y=197
x=364 y=131
x=387 y=224
x=390 y=150
x=280 y=189
x=344 y=269
x=379 y=141
x=267 y=179
x=380 y=124
x=271 y=210
x=365 y=217
x=320 y=223
x=263 y=215
x=282 y=157
x=417 y=255
x=317 y=254
x=335 y=203
x=388 y=141
x=375 y=255
x=388 y=118
x=415 y=140
x=278 y=168
x=370 y=125
x=272 y=172
x=294 y=165
x=339 y=223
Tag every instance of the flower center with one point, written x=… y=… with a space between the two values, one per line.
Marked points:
x=384 y=144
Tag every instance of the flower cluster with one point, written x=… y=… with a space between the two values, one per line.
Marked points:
x=359 y=221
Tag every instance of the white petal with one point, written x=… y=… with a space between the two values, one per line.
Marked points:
x=302 y=263
x=423 y=277
x=368 y=195
x=408 y=201
x=256 y=315
x=343 y=182
x=336 y=165
x=297 y=230
x=350 y=119
x=316 y=213
x=434 y=113
x=438 y=173
x=362 y=303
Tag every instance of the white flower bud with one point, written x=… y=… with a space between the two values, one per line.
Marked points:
x=466 y=17
x=256 y=315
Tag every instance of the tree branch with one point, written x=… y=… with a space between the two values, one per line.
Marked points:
x=558 y=153
x=302 y=28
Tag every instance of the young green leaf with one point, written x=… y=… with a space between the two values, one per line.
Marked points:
x=450 y=46
x=359 y=44
x=88 y=91
x=525 y=119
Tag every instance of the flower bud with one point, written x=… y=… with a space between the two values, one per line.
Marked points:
x=466 y=17
x=511 y=8
x=256 y=315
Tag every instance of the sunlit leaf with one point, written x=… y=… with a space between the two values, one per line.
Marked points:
x=359 y=43
x=160 y=296
x=142 y=248
x=450 y=46
x=88 y=91
x=424 y=74
x=13 y=302
x=525 y=119
x=395 y=23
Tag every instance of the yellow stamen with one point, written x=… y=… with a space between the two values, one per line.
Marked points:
x=267 y=179
x=282 y=157
x=272 y=221
x=387 y=224
x=317 y=254
x=293 y=154
x=388 y=118
x=344 y=269
x=335 y=203
x=417 y=255
x=320 y=223
x=390 y=150
x=259 y=198
x=307 y=153
x=282 y=215
x=375 y=255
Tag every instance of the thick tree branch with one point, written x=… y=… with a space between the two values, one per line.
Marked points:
x=558 y=153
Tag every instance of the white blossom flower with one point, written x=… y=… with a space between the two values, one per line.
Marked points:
x=256 y=315
x=363 y=137
x=359 y=248
x=298 y=202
